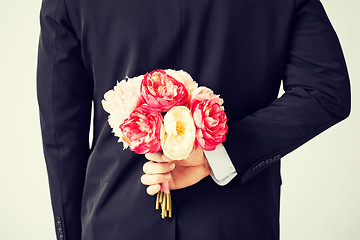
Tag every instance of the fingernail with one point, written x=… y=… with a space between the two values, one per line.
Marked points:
x=172 y=166
x=167 y=176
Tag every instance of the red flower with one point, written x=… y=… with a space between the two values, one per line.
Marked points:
x=141 y=130
x=210 y=120
x=162 y=92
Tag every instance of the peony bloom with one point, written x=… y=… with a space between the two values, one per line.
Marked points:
x=121 y=101
x=141 y=130
x=162 y=92
x=185 y=79
x=202 y=93
x=178 y=133
x=210 y=119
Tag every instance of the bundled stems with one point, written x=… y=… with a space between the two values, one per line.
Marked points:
x=163 y=198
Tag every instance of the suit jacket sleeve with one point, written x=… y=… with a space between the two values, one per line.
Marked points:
x=317 y=95
x=64 y=97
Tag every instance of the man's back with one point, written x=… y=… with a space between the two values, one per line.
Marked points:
x=241 y=50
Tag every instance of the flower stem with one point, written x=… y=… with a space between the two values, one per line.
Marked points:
x=157 y=200
x=163 y=198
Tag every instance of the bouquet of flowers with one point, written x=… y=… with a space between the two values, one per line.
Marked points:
x=165 y=110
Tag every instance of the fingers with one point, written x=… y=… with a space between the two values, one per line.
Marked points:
x=157 y=171
x=153 y=189
x=156 y=157
x=166 y=159
x=155 y=167
x=153 y=179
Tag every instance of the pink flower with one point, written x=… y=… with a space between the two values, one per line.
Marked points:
x=141 y=130
x=210 y=119
x=185 y=78
x=121 y=101
x=162 y=92
x=202 y=93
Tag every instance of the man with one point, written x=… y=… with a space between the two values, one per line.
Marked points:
x=241 y=50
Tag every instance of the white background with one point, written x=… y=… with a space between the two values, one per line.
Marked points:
x=321 y=184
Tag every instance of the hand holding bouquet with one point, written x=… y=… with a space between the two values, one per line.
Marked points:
x=160 y=169
x=165 y=110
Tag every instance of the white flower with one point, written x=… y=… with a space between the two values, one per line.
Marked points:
x=178 y=133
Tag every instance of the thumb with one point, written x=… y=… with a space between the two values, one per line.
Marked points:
x=196 y=157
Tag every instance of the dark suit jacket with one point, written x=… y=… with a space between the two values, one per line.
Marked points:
x=241 y=49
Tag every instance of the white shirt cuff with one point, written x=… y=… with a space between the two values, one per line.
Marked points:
x=223 y=170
